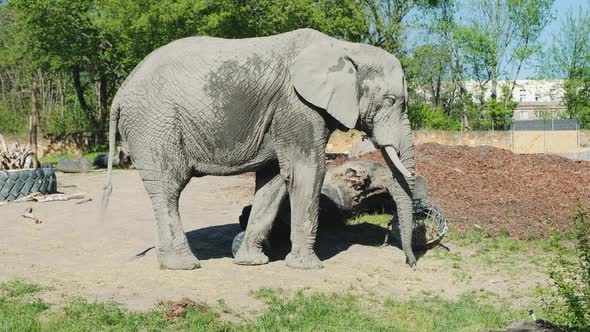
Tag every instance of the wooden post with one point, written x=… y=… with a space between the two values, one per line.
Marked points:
x=34 y=120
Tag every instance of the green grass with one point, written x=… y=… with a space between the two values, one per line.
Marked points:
x=22 y=310
x=53 y=159
x=433 y=314
x=18 y=310
x=502 y=252
x=375 y=219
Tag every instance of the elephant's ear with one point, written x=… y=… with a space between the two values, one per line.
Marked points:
x=326 y=77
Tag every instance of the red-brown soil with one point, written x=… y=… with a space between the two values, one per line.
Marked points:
x=500 y=191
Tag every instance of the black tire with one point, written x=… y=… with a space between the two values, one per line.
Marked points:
x=20 y=183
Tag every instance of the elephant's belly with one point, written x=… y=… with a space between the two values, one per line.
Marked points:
x=234 y=162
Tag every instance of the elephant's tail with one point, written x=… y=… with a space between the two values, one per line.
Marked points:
x=108 y=187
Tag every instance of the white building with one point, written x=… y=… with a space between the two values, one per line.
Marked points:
x=537 y=99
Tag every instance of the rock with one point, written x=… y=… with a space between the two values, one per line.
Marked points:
x=362 y=147
x=530 y=326
x=123 y=160
x=101 y=160
x=74 y=165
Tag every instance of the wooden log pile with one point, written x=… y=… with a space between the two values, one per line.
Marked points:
x=15 y=156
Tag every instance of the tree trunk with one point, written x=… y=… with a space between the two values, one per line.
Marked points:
x=34 y=120
x=62 y=93
x=494 y=80
x=103 y=101
x=81 y=99
x=494 y=55
x=2 y=87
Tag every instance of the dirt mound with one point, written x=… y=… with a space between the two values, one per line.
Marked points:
x=500 y=191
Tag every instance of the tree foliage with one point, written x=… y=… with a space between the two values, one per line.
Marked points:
x=568 y=57
x=492 y=42
x=79 y=51
x=567 y=301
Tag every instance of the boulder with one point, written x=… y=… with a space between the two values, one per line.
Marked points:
x=101 y=161
x=74 y=165
x=123 y=160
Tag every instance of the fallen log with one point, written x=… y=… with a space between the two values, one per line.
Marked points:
x=356 y=187
x=40 y=198
x=85 y=200
x=59 y=197
x=29 y=198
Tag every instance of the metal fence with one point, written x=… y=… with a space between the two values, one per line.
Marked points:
x=545 y=136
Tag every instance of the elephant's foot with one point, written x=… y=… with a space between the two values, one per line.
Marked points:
x=250 y=256
x=303 y=260
x=178 y=261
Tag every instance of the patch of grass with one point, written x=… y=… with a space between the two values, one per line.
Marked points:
x=434 y=314
x=18 y=288
x=468 y=237
x=325 y=312
x=298 y=312
x=83 y=316
x=53 y=159
x=502 y=251
x=375 y=219
x=18 y=311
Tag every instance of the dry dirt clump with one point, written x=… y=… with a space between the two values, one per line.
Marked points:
x=175 y=309
x=500 y=191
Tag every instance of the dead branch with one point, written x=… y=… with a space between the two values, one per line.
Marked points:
x=16 y=156
x=59 y=197
x=29 y=198
x=39 y=198
x=3 y=148
x=29 y=215
x=85 y=200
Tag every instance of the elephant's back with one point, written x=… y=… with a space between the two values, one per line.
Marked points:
x=207 y=53
x=208 y=89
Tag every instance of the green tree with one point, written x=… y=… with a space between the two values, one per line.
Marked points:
x=13 y=117
x=424 y=116
x=63 y=36
x=429 y=69
x=568 y=57
x=500 y=37
x=388 y=28
x=577 y=96
x=342 y=19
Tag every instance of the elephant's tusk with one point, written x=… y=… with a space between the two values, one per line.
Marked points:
x=396 y=162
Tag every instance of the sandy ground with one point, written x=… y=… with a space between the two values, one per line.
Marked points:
x=75 y=255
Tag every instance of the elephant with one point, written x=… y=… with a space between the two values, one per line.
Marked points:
x=212 y=106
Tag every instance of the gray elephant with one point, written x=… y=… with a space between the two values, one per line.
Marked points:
x=210 y=106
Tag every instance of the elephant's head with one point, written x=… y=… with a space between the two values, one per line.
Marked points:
x=364 y=87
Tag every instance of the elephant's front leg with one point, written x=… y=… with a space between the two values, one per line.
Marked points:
x=304 y=180
x=270 y=191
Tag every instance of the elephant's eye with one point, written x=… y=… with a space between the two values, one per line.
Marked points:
x=389 y=101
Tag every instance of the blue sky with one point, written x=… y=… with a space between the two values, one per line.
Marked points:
x=560 y=11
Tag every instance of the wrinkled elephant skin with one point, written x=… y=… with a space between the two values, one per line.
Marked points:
x=209 y=106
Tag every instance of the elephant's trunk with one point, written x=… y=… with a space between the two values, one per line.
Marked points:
x=403 y=168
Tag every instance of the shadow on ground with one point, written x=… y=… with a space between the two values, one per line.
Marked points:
x=215 y=241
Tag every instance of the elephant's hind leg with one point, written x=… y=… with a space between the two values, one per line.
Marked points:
x=164 y=188
x=270 y=191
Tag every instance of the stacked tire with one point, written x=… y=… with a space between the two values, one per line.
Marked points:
x=15 y=184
